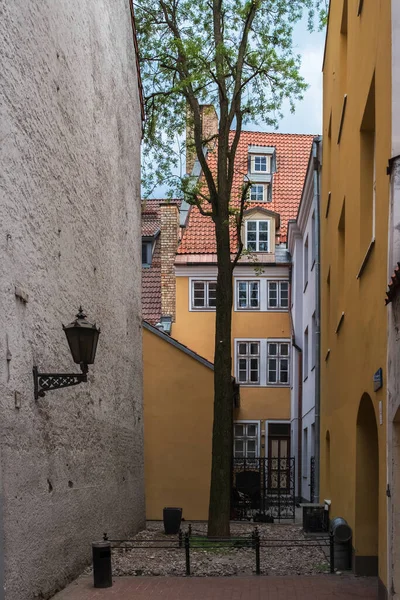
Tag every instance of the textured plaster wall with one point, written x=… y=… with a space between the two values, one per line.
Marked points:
x=70 y=129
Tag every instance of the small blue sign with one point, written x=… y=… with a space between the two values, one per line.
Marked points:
x=378 y=380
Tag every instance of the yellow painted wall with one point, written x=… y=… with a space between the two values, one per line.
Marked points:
x=359 y=348
x=178 y=413
x=196 y=330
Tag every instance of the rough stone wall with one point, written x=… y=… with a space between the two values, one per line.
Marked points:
x=169 y=241
x=70 y=129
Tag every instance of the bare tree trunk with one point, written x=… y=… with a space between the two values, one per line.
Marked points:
x=221 y=484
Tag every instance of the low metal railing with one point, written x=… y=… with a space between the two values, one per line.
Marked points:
x=187 y=542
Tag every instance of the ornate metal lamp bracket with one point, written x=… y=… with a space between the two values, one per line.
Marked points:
x=45 y=382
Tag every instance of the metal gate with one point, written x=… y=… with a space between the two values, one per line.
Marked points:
x=263 y=489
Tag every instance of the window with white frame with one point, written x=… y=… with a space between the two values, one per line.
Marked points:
x=260 y=164
x=259 y=193
x=248 y=295
x=248 y=363
x=257 y=236
x=278 y=295
x=204 y=295
x=278 y=363
x=245 y=440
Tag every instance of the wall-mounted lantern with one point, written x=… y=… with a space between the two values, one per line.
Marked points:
x=82 y=337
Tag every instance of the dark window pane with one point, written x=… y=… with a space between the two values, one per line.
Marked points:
x=272 y=349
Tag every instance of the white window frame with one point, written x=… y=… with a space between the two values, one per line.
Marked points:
x=263 y=361
x=263 y=292
x=278 y=358
x=248 y=357
x=248 y=422
x=248 y=282
x=206 y=281
x=258 y=221
x=264 y=188
x=279 y=306
x=267 y=158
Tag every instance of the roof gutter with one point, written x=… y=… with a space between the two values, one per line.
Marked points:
x=299 y=395
x=317 y=193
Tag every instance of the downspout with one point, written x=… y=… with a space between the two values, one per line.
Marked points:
x=299 y=397
x=317 y=450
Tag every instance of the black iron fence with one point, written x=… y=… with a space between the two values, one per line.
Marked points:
x=187 y=543
x=263 y=489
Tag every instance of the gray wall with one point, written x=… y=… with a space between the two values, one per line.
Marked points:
x=70 y=129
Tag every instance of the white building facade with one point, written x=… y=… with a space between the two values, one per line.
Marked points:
x=70 y=127
x=303 y=245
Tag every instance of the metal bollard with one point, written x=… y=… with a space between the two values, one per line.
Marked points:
x=332 y=551
x=257 y=544
x=187 y=553
x=102 y=575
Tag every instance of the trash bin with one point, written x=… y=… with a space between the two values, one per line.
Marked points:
x=102 y=575
x=342 y=536
x=172 y=520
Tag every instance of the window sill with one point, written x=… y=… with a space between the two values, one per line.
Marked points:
x=340 y=323
x=366 y=258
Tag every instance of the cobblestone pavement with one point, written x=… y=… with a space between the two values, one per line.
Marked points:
x=315 y=587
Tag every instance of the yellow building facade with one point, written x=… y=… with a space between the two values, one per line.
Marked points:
x=354 y=252
x=178 y=412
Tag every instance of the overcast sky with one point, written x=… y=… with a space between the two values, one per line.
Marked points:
x=308 y=115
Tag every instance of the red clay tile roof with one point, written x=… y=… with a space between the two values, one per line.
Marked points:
x=150 y=218
x=292 y=156
x=151 y=287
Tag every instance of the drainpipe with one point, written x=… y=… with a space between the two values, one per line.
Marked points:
x=317 y=451
x=299 y=397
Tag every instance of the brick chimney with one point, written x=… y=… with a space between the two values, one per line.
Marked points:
x=169 y=242
x=209 y=121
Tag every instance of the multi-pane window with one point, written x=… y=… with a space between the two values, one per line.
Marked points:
x=248 y=295
x=257 y=193
x=245 y=440
x=204 y=294
x=278 y=294
x=248 y=363
x=257 y=236
x=260 y=164
x=278 y=363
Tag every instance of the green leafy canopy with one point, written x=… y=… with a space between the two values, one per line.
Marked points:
x=237 y=54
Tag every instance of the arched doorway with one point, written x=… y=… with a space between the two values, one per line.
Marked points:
x=367 y=479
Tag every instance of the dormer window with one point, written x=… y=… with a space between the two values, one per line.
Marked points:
x=260 y=163
x=146 y=253
x=260 y=193
x=257 y=236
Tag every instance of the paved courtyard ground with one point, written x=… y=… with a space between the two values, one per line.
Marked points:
x=316 y=587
